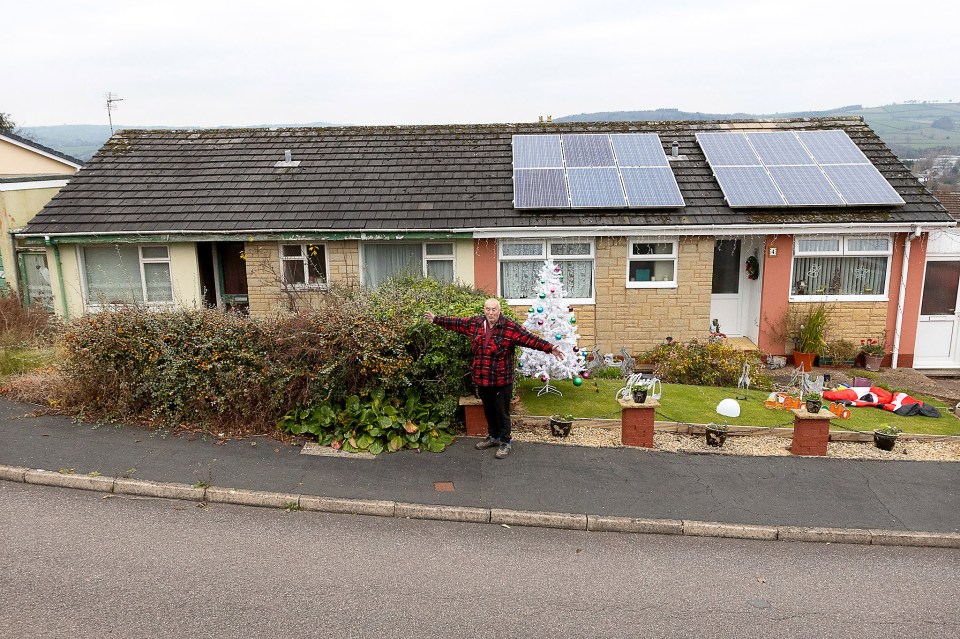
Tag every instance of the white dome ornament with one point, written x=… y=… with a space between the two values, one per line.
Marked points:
x=729 y=408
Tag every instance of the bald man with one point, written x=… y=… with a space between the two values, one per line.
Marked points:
x=492 y=341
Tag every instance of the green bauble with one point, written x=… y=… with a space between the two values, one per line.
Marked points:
x=561 y=278
x=573 y=320
x=577 y=381
x=543 y=295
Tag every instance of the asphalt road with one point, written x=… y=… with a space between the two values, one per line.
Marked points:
x=77 y=564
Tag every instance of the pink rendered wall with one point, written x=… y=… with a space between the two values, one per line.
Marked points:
x=776 y=291
x=911 y=296
x=485 y=265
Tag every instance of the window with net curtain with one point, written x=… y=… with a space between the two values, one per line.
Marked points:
x=304 y=265
x=852 y=266
x=522 y=260
x=383 y=261
x=114 y=276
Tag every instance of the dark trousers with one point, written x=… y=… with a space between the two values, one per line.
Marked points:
x=496 y=408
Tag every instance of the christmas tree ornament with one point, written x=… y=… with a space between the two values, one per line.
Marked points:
x=553 y=318
x=540 y=322
x=539 y=309
x=561 y=278
x=531 y=310
x=577 y=381
x=544 y=378
x=576 y=349
x=552 y=290
x=585 y=374
x=558 y=336
x=543 y=295
x=573 y=320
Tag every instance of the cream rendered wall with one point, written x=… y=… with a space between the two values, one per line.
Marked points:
x=17 y=207
x=16 y=160
x=463 y=261
x=185 y=275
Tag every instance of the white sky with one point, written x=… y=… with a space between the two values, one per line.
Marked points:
x=207 y=63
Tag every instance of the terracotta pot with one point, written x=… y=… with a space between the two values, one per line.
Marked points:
x=804 y=360
x=872 y=362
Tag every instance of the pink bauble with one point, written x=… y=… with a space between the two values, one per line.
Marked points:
x=552 y=290
x=576 y=348
x=540 y=322
x=543 y=378
x=586 y=374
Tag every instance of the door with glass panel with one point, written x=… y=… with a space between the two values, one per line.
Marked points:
x=36 y=277
x=725 y=299
x=938 y=328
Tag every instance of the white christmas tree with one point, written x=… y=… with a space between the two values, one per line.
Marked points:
x=552 y=318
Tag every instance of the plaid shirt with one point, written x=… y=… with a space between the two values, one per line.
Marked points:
x=492 y=361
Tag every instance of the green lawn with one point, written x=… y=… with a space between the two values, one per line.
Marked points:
x=697 y=405
x=20 y=360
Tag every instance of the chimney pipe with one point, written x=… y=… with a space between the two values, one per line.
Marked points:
x=675 y=149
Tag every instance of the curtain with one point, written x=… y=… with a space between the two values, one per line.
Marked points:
x=113 y=274
x=577 y=277
x=839 y=275
x=518 y=280
x=157 y=275
x=383 y=261
x=440 y=270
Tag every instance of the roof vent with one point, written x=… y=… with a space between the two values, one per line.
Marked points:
x=675 y=149
x=287 y=161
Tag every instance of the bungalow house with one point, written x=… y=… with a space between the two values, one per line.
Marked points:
x=659 y=227
x=30 y=174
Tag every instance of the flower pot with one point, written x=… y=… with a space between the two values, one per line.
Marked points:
x=872 y=362
x=804 y=360
x=826 y=361
x=639 y=395
x=560 y=428
x=884 y=441
x=715 y=436
x=814 y=405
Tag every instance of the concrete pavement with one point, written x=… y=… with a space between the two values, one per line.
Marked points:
x=621 y=489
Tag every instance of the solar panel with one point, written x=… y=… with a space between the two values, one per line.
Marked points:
x=651 y=186
x=832 y=147
x=540 y=189
x=778 y=148
x=862 y=184
x=804 y=186
x=595 y=187
x=748 y=186
x=537 y=152
x=586 y=150
x=727 y=149
x=638 y=149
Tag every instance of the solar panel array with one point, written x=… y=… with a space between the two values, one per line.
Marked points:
x=794 y=168
x=591 y=170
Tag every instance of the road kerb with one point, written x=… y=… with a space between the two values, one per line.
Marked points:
x=540 y=519
x=601 y=523
x=143 y=488
x=824 y=535
x=721 y=529
x=912 y=538
x=67 y=480
x=242 y=497
x=13 y=473
x=443 y=513
x=348 y=506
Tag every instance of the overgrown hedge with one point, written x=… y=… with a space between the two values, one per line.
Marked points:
x=209 y=367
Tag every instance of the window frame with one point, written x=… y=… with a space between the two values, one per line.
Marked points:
x=843 y=252
x=545 y=254
x=662 y=257
x=424 y=258
x=305 y=258
x=92 y=305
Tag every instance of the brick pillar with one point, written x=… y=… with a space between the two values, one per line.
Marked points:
x=474 y=416
x=636 y=422
x=811 y=431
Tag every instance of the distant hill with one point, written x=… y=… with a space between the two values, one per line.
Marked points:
x=911 y=130
x=83 y=140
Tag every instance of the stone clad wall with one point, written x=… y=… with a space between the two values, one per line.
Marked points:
x=854 y=321
x=641 y=318
x=263 y=276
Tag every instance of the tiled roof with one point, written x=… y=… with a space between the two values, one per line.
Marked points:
x=40 y=147
x=404 y=178
x=950 y=201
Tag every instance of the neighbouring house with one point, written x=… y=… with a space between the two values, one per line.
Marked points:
x=938 y=326
x=30 y=174
x=659 y=227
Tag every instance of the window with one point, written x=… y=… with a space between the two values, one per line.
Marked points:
x=521 y=261
x=652 y=263
x=127 y=274
x=855 y=267
x=429 y=259
x=304 y=265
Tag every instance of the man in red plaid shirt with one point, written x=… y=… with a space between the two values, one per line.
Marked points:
x=492 y=341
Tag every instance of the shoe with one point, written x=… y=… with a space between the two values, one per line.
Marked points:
x=503 y=451
x=487 y=443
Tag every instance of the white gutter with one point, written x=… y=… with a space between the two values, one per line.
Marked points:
x=559 y=231
x=35 y=184
x=903 y=290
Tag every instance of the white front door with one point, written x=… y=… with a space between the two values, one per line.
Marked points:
x=938 y=329
x=735 y=298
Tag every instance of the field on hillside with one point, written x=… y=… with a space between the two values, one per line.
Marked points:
x=911 y=125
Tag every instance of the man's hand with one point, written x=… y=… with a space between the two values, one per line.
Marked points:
x=428 y=316
x=557 y=352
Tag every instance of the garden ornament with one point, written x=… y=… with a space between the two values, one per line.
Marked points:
x=652 y=384
x=628 y=364
x=729 y=408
